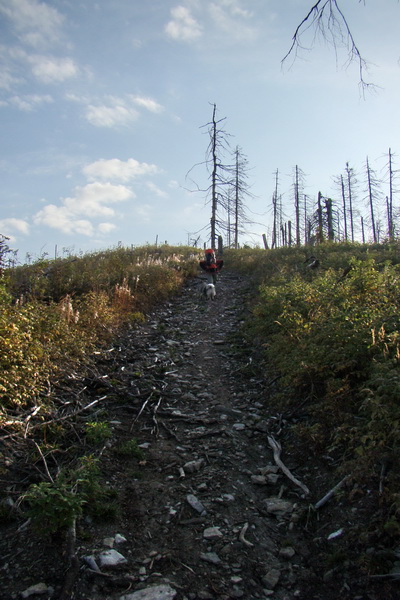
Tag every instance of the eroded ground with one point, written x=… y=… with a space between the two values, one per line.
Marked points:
x=204 y=513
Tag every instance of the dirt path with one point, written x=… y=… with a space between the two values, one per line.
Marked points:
x=204 y=512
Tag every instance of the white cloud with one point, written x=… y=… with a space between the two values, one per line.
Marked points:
x=53 y=70
x=36 y=23
x=116 y=169
x=30 y=102
x=148 y=103
x=7 y=80
x=105 y=227
x=156 y=190
x=92 y=201
x=8 y=226
x=183 y=27
x=229 y=17
x=59 y=217
x=235 y=8
x=111 y=116
x=113 y=111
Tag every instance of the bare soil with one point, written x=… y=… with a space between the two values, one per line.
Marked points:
x=199 y=509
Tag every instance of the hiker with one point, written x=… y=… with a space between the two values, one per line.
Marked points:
x=211 y=266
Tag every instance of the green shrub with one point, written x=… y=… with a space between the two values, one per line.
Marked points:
x=334 y=339
x=98 y=432
x=130 y=448
x=53 y=506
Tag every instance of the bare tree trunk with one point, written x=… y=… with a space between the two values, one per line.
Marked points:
x=390 y=200
x=320 y=219
x=329 y=217
x=371 y=201
x=275 y=209
x=236 y=230
x=214 y=200
x=306 y=232
x=344 y=208
x=297 y=205
x=350 y=197
x=362 y=230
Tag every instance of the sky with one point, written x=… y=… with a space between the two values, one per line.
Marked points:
x=105 y=106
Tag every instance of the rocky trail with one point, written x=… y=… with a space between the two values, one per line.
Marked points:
x=204 y=511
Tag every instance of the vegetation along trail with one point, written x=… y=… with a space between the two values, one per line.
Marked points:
x=201 y=506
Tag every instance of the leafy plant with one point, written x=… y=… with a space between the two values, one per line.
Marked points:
x=53 y=506
x=130 y=448
x=98 y=432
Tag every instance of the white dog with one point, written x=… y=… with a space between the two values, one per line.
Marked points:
x=208 y=291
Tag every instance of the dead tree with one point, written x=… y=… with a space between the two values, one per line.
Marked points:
x=351 y=182
x=241 y=190
x=372 y=197
x=298 y=184
x=275 y=211
x=389 y=199
x=216 y=191
x=344 y=207
x=218 y=142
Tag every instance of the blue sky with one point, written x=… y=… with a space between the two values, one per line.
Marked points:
x=102 y=106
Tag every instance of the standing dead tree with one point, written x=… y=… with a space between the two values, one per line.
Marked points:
x=239 y=191
x=218 y=174
x=275 y=211
x=298 y=184
x=218 y=144
x=346 y=184
x=351 y=182
x=391 y=179
x=372 y=196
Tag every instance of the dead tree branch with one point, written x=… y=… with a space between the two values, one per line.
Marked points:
x=277 y=449
x=327 y=18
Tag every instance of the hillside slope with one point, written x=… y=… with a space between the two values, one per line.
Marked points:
x=204 y=513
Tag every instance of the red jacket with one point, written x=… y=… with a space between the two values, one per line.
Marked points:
x=211 y=267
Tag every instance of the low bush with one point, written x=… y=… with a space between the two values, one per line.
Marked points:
x=333 y=338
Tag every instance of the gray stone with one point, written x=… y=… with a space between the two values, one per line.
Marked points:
x=193 y=465
x=196 y=504
x=211 y=557
x=287 y=552
x=259 y=479
x=271 y=578
x=212 y=533
x=155 y=592
x=38 y=588
x=111 y=558
x=278 y=507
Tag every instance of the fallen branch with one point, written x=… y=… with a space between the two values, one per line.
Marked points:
x=243 y=533
x=277 y=449
x=142 y=408
x=393 y=576
x=331 y=492
x=156 y=428
x=44 y=462
x=55 y=419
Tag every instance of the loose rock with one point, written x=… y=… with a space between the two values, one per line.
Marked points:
x=155 y=592
x=111 y=558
